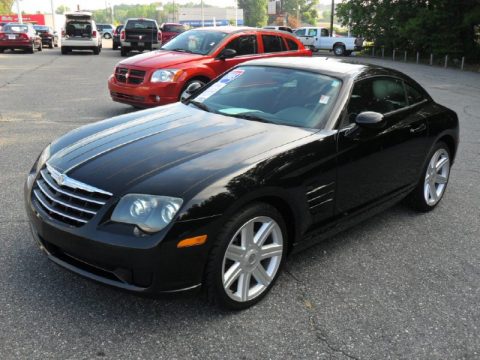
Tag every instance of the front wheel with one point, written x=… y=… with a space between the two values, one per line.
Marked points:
x=96 y=50
x=247 y=257
x=433 y=183
x=192 y=84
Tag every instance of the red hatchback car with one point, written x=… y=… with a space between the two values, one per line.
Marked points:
x=20 y=36
x=193 y=58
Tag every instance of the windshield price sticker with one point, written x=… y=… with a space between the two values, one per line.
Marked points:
x=232 y=75
x=335 y=83
x=324 y=99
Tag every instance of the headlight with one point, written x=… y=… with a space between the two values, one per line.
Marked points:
x=165 y=75
x=149 y=212
x=42 y=159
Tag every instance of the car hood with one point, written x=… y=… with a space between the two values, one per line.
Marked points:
x=160 y=59
x=181 y=144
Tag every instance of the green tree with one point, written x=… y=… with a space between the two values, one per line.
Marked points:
x=6 y=6
x=254 y=12
x=307 y=9
x=62 y=9
x=440 y=26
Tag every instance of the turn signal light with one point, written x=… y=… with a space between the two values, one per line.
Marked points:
x=194 y=241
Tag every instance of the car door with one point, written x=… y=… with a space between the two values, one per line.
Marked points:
x=246 y=46
x=378 y=163
x=324 y=41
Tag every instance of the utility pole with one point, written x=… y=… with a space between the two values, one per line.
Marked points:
x=203 y=16
x=53 y=15
x=331 y=18
x=236 y=12
x=19 y=12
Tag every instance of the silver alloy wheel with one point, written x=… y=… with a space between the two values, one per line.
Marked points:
x=338 y=50
x=252 y=259
x=186 y=94
x=436 y=177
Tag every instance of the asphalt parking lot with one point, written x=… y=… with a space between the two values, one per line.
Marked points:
x=400 y=285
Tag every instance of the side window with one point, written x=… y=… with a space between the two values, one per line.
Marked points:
x=312 y=32
x=272 y=43
x=244 y=45
x=414 y=96
x=299 y=32
x=324 y=32
x=292 y=45
x=380 y=94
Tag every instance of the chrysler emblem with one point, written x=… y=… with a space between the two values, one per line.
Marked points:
x=61 y=179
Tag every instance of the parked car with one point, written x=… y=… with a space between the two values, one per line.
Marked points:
x=80 y=33
x=170 y=30
x=116 y=37
x=192 y=59
x=139 y=35
x=48 y=35
x=318 y=38
x=281 y=28
x=2 y=24
x=106 y=30
x=271 y=157
x=19 y=36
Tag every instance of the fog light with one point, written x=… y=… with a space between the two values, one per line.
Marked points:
x=157 y=98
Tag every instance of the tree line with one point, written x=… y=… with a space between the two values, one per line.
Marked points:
x=430 y=26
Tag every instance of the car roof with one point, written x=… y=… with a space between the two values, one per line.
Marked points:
x=239 y=29
x=325 y=65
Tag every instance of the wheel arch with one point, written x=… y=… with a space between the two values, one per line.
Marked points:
x=337 y=44
x=448 y=139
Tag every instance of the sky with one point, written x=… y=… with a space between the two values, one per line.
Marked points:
x=32 y=6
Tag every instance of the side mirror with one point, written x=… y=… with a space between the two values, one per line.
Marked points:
x=370 y=120
x=190 y=90
x=226 y=54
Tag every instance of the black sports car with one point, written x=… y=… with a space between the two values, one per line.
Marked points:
x=216 y=191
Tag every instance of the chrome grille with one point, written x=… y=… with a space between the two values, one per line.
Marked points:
x=73 y=203
x=129 y=76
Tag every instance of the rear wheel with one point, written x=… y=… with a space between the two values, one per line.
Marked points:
x=52 y=44
x=31 y=49
x=96 y=50
x=434 y=180
x=123 y=51
x=339 y=50
x=247 y=257
x=40 y=47
x=2 y=50
x=64 y=50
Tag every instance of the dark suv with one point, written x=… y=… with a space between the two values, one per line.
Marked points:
x=116 y=37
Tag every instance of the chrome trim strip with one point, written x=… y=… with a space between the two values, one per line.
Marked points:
x=319 y=188
x=55 y=211
x=63 y=179
x=320 y=196
x=40 y=186
x=52 y=185
x=322 y=203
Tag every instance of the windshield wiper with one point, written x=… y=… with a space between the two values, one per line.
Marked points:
x=183 y=50
x=200 y=105
x=252 y=116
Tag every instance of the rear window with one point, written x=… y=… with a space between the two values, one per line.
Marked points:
x=16 y=28
x=272 y=43
x=292 y=45
x=141 y=25
x=41 y=28
x=173 y=28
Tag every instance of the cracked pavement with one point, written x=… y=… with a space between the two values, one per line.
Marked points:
x=401 y=285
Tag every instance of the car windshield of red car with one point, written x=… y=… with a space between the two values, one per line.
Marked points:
x=195 y=41
x=16 y=28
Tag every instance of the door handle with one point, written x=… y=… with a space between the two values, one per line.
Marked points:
x=418 y=129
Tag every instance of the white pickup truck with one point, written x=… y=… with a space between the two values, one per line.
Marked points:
x=317 y=38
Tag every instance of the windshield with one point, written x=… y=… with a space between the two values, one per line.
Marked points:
x=40 y=28
x=195 y=41
x=141 y=25
x=272 y=94
x=16 y=28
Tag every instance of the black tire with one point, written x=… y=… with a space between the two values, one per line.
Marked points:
x=96 y=50
x=123 y=52
x=417 y=198
x=188 y=84
x=64 y=50
x=40 y=47
x=114 y=47
x=2 y=50
x=213 y=284
x=348 y=53
x=52 y=45
x=339 y=50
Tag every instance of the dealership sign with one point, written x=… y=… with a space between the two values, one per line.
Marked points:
x=38 y=19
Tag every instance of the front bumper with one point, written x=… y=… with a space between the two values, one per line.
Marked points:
x=148 y=264
x=146 y=94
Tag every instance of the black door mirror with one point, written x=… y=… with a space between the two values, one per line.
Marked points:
x=227 y=54
x=370 y=120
